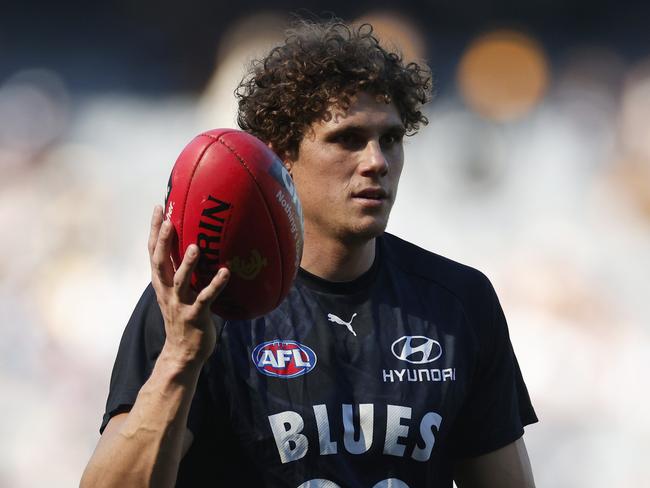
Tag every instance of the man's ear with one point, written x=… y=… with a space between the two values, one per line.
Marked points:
x=285 y=157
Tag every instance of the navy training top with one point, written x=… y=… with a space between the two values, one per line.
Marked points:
x=384 y=381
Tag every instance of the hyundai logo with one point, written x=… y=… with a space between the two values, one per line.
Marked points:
x=416 y=349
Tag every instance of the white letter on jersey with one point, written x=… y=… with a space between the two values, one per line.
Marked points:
x=366 y=417
x=319 y=483
x=391 y=483
x=428 y=421
x=286 y=427
x=323 y=424
x=297 y=358
x=268 y=358
x=395 y=430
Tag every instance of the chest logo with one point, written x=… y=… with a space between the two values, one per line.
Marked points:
x=337 y=320
x=416 y=349
x=283 y=359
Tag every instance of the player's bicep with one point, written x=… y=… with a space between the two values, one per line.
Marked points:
x=508 y=467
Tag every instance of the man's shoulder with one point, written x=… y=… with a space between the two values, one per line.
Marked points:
x=459 y=279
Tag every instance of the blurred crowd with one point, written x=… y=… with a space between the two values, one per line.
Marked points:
x=534 y=170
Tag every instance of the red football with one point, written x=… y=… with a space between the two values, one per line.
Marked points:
x=231 y=195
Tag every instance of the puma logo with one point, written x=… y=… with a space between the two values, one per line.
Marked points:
x=333 y=318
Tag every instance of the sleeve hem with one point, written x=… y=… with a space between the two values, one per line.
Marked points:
x=123 y=404
x=502 y=439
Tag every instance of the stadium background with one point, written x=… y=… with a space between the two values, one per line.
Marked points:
x=535 y=168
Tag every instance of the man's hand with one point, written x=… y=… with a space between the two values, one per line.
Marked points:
x=191 y=334
x=144 y=446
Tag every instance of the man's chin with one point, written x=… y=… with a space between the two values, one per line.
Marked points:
x=367 y=231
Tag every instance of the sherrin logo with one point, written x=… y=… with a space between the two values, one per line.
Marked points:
x=283 y=359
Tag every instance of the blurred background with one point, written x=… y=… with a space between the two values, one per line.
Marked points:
x=535 y=168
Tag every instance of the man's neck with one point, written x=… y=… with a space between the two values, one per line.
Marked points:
x=334 y=260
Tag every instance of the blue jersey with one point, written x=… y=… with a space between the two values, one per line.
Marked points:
x=385 y=381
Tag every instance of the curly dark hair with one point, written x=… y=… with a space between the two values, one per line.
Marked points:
x=321 y=65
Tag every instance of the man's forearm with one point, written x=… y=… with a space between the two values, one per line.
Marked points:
x=146 y=448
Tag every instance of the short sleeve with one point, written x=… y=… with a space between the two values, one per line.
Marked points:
x=497 y=406
x=140 y=346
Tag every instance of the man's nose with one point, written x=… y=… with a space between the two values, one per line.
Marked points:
x=374 y=160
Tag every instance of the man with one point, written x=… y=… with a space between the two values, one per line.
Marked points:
x=386 y=366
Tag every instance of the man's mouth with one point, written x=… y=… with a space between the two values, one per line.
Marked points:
x=371 y=194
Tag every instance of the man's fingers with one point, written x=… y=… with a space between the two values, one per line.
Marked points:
x=156 y=222
x=212 y=291
x=161 y=264
x=183 y=276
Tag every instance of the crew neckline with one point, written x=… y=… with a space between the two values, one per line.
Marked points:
x=357 y=285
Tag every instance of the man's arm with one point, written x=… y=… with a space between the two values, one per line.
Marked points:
x=508 y=467
x=144 y=447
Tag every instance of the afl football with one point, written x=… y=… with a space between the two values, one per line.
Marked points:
x=229 y=194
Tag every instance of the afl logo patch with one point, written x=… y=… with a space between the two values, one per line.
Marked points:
x=283 y=359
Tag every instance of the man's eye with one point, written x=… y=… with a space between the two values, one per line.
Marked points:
x=390 y=140
x=350 y=140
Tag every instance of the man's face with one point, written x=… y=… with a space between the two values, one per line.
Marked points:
x=348 y=168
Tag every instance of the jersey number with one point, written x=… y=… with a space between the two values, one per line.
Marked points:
x=320 y=483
